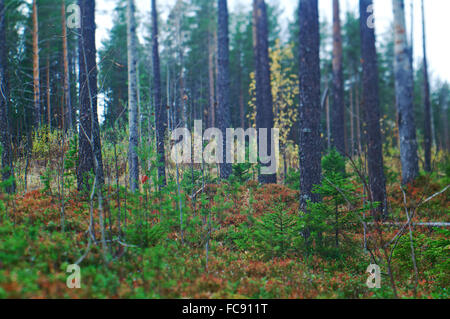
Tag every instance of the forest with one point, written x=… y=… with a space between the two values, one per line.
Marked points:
x=204 y=150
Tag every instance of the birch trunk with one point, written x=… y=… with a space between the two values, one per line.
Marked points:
x=133 y=116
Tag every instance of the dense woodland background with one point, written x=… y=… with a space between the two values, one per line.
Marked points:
x=363 y=174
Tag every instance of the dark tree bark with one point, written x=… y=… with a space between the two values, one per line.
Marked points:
x=133 y=112
x=212 y=95
x=161 y=114
x=404 y=96
x=427 y=102
x=371 y=106
x=264 y=107
x=7 y=164
x=223 y=92
x=36 y=80
x=337 y=110
x=310 y=143
x=89 y=130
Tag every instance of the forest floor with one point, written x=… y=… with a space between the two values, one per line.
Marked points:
x=35 y=253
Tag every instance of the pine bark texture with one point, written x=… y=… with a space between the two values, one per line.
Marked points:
x=371 y=104
x=36 y=81
x=404 y=96
x=427 y=102
x=7 y=164
x=264 y=107
x=310 y=143
x=223 y=92
x=133 y=114
x=337 y=111
x=89 y=130
x=161 y=114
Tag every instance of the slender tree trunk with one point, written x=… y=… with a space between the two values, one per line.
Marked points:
x=352 y=123
x=338 y=110
x=310 y=143
x=371 y=102
x=212 y=96
x=223 y=92
x=445 y=124
x=132 y=98
x=89 y=130
x=404 y=96
x=264 y=107
x=49 y=109
x=358 y=120
x=5 y=138
x=411 y=39
x=36 y=82
x=427 y=103
x=161 y=115
x=328 y=119
x=67 y=98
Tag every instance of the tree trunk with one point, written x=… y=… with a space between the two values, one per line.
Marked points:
x=36 y=84
x=445 y=125
x=49 y=109
x=133 y=116
x=5 y=138
x=68 y=103
x=337 y=111
x=310 y=143
x=212 y=97
x=404 y=96
x=161 y=117
x=352 y=123
x=427 y=103
x=89 y=130
x=371 y=104
x=264 y=107
x=358 y=120
x=223 y=92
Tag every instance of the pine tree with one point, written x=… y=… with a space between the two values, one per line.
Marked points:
x=426 y=102
x=337 y=110
x=310 y=144
x=223 y=92
x=161 y=114
x=264 y=113
x=371 y=102
x=404 y=97
x=5 y=138
x=36 y=81
x=89 y=132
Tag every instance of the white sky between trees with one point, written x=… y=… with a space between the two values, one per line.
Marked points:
x=436 y=17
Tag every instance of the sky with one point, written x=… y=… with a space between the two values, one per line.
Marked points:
x=436 y=17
